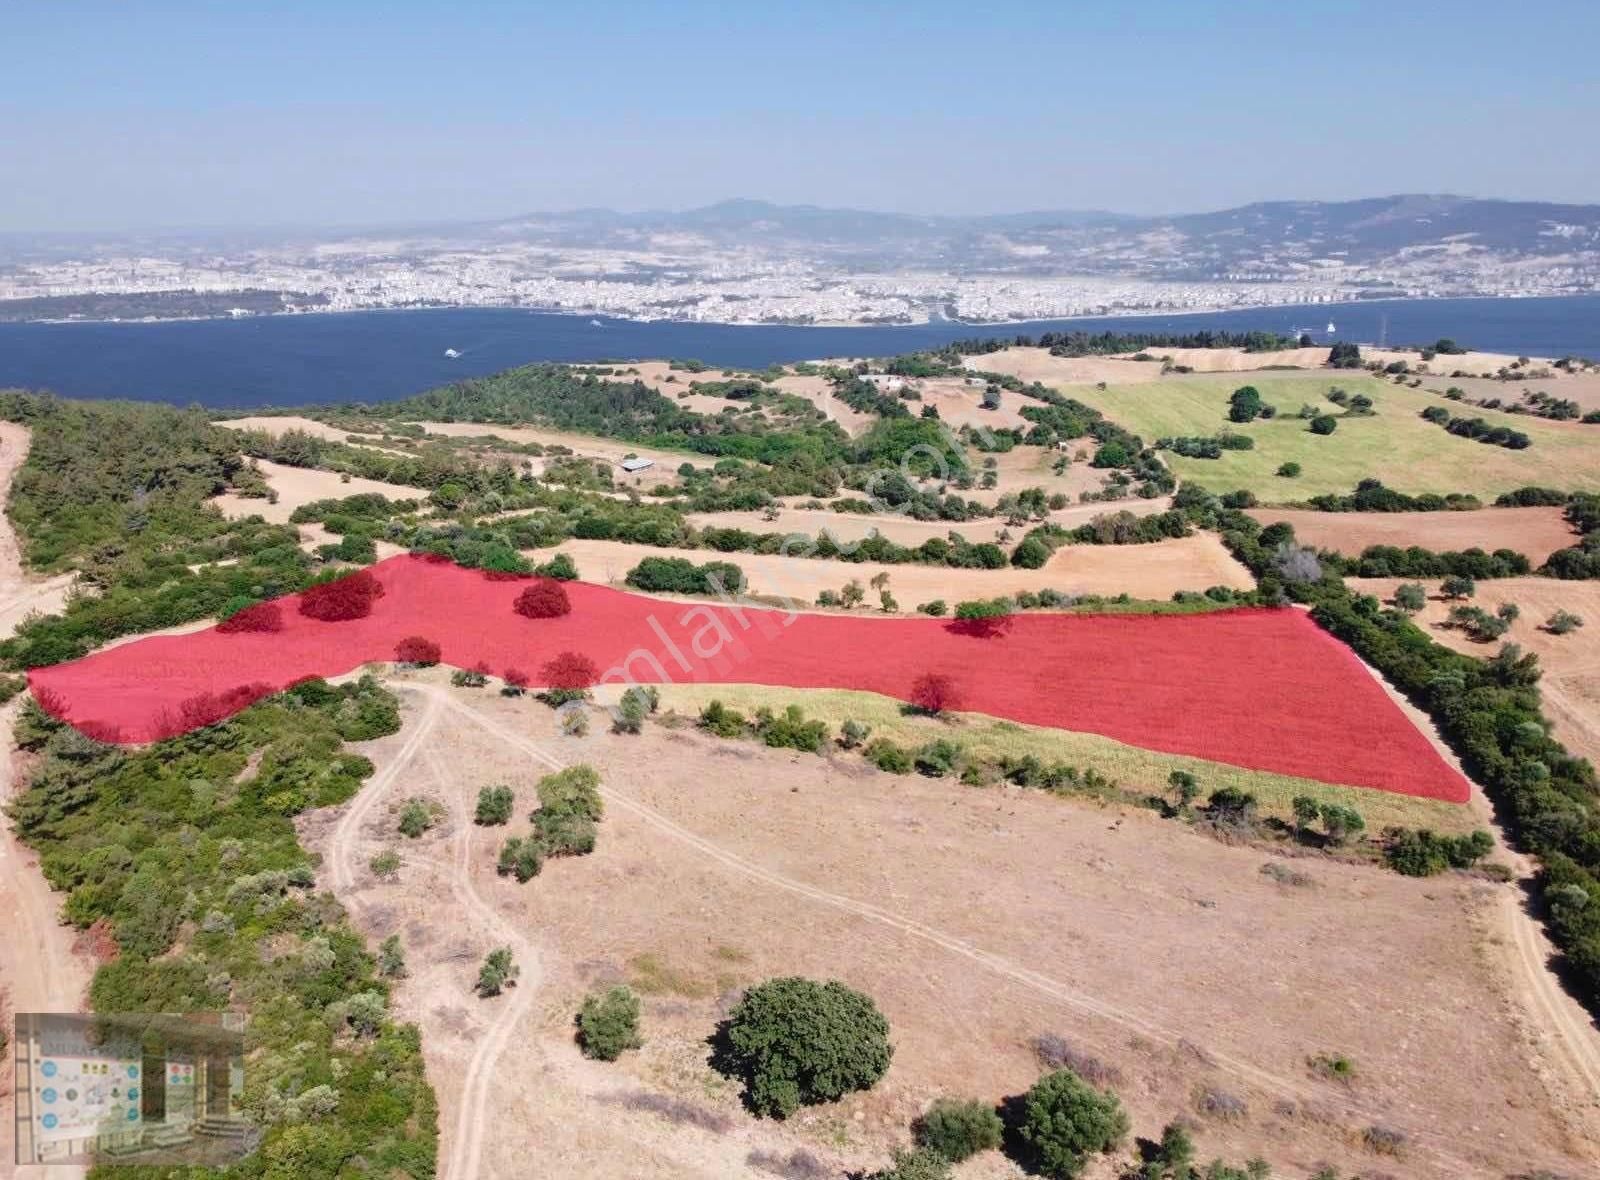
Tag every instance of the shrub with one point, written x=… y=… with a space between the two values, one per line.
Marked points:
x=417 y=651
x=936 y=608
x=853 y=734
x=1064 y=1121
x=790 y=730
x=1457 y=586
x=1423 y=853
x=886 y=755
x=417 y=816
x=608 y=1025
x=545 y=599
x=573 y=791
x=1410 y=597
x=258 y=618
x=385 y=865
x=795 y=1042
x=920 y=1164
x=520 y=858
x=934 y=693
x=499 y=971
x=722 y=721
x=391 y=959
x=637 y=703
x=1031 y=554
x=937 y=758
x=1244 y=404
x=494 y=806
x=958 y=1129
x=677 y=575
x=559 y=567
x=1324 y=424
x=469 y=677
x=1562 y=622
x=570 y=672
x=349 y=597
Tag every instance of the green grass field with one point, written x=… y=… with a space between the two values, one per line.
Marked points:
x=1396 y=445
x=1134 y=768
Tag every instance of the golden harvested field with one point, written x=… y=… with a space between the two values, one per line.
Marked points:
x=1534 y=532
x=1571 y=662
x=904 y=530
x=275 y=425
x=961 y=404
x=977 y=919
x=301 y=485
x=1395 y=444
x=1144 y=571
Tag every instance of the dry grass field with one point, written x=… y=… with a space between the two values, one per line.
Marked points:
x=1571 y=662
x=1144 y=571
x=1534 y=532
x=301 y=485
x=978 y=919
x=904 y=530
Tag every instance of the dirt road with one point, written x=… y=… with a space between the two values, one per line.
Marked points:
x=37 y=965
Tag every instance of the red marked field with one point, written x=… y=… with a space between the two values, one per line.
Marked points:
x=1263 y=689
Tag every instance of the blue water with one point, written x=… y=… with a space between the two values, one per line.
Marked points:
x=376 y=356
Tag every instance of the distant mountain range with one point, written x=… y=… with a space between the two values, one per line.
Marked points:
x=1269 y=239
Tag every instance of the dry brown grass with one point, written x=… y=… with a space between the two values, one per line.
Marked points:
x=1158 y=953
x=1144 y=571
x=1571 y=662
x=301 y=485
x=1534 y=532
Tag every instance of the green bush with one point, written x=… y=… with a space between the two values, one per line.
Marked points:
x=796 y=1042
x=521 y=858
x=608 y=1025
x=419 y=815
x=495 y=805
x=886 y=755
x=499 y=971
x=956 y=1128
x=1324 y=424
x=921 y=1164
x=1064 y=1121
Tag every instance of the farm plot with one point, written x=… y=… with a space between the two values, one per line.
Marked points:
x=1395 y=444
x=1245 y=687
x=1533 y=532
x=1570 y=686
x=1156 y=570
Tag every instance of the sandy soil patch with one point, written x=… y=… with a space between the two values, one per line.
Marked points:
x=903 y=530
x=720 y=864
x=1036 y=364
x=1534 y=532
x=584 y=445
x=961 y=404
x=302 y=485
x=274 y=425
x=1571 y=662
x=1144 y=571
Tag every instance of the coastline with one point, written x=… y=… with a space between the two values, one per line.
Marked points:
x=925 y=322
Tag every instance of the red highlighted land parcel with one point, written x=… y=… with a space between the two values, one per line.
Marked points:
x=1263 y=689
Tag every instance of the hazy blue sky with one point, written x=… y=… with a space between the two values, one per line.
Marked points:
x=349 y=111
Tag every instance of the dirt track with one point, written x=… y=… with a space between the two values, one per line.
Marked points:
x=37 y=964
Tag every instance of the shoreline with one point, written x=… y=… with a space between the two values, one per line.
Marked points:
x=930 y=322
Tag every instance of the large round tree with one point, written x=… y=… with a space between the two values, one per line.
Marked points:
x=796 y=1041
x=1065 y=1120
